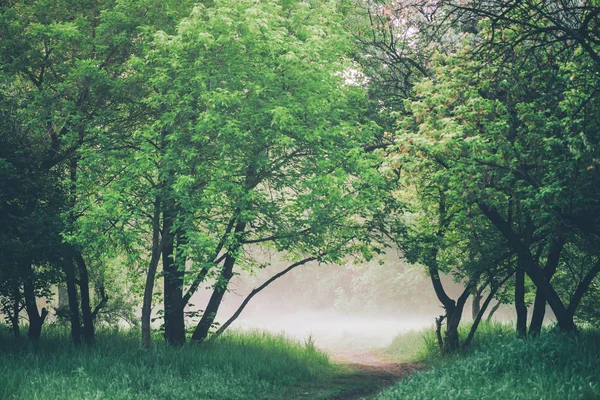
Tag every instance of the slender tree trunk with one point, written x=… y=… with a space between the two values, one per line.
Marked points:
x=157 y=245
x=254 y=292
x=173 y=274
x=492 y=312
x=476 y=305
x=16 y=309
x=582 y=288
x=210 y=313
x=486 y=303
x=36 y=320
x=520 y=306
x=84 y=290
x=73 y=302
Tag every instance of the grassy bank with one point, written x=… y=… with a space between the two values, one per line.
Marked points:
x=500 y=366
x=238 y=366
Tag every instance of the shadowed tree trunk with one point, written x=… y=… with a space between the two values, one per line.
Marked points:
x=539 y=306
x=254 y=292
x=476 y=305
x=531 y=266
x=210 y=313
x=36 y=320
x=492 y=312
x=84 y=290
x=173 y=273
x=16 y=309
x=73 y=301
x=157 y=245
x=486 y=303
x=520 y=306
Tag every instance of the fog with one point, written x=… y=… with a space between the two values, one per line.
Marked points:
x=355 y=306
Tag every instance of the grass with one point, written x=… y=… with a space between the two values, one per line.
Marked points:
x=501 y=366
x=238 y=366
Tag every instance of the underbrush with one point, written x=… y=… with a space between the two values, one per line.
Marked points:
x=498 y=365
x=252 y=365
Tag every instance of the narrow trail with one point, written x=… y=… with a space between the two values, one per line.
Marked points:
x=369 y=373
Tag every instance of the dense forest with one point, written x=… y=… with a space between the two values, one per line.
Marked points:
x=152 y=149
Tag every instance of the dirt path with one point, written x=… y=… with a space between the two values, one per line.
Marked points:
x=369 y=374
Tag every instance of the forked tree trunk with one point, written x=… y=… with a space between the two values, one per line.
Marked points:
x=539 y=306
x=531 y=266
x=36 y=320
x=210 y=313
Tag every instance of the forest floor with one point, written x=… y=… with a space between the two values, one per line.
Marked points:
x=369 y=373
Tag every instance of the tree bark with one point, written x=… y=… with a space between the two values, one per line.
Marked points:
x=173 y=272
x=84 y=290
x=520 y=306
x=453 y=318
x=203 y=327
x=492 y=312
x=157 y=244
x=73 y=301
x=16 y=309
x=476 y=305
x=36 y=320
x=539 y=306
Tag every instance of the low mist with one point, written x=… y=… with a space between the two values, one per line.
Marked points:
x=354 y=306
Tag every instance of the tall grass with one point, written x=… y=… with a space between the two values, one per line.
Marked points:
x=237 y=366
x=501 y=366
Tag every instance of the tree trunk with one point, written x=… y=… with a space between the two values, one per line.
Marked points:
x=492 y=312
x=520 y=306
x=451 y=338
x=84 y=290
x=539 y=307
x=157 y=244
x=173 y=274
x=531 y=266
x=476 y=305
x=16 y=309
x=203 y=327
x=583 y=287
x=73 y=302
x=254 y=292
x=63 y=297
x=479 y=316
x=36 y=320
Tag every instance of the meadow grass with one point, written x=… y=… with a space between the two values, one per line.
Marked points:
x=501 y=366
x=253 y=365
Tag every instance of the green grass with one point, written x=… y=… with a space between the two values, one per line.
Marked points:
x=237 y=366
x=501 y=366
